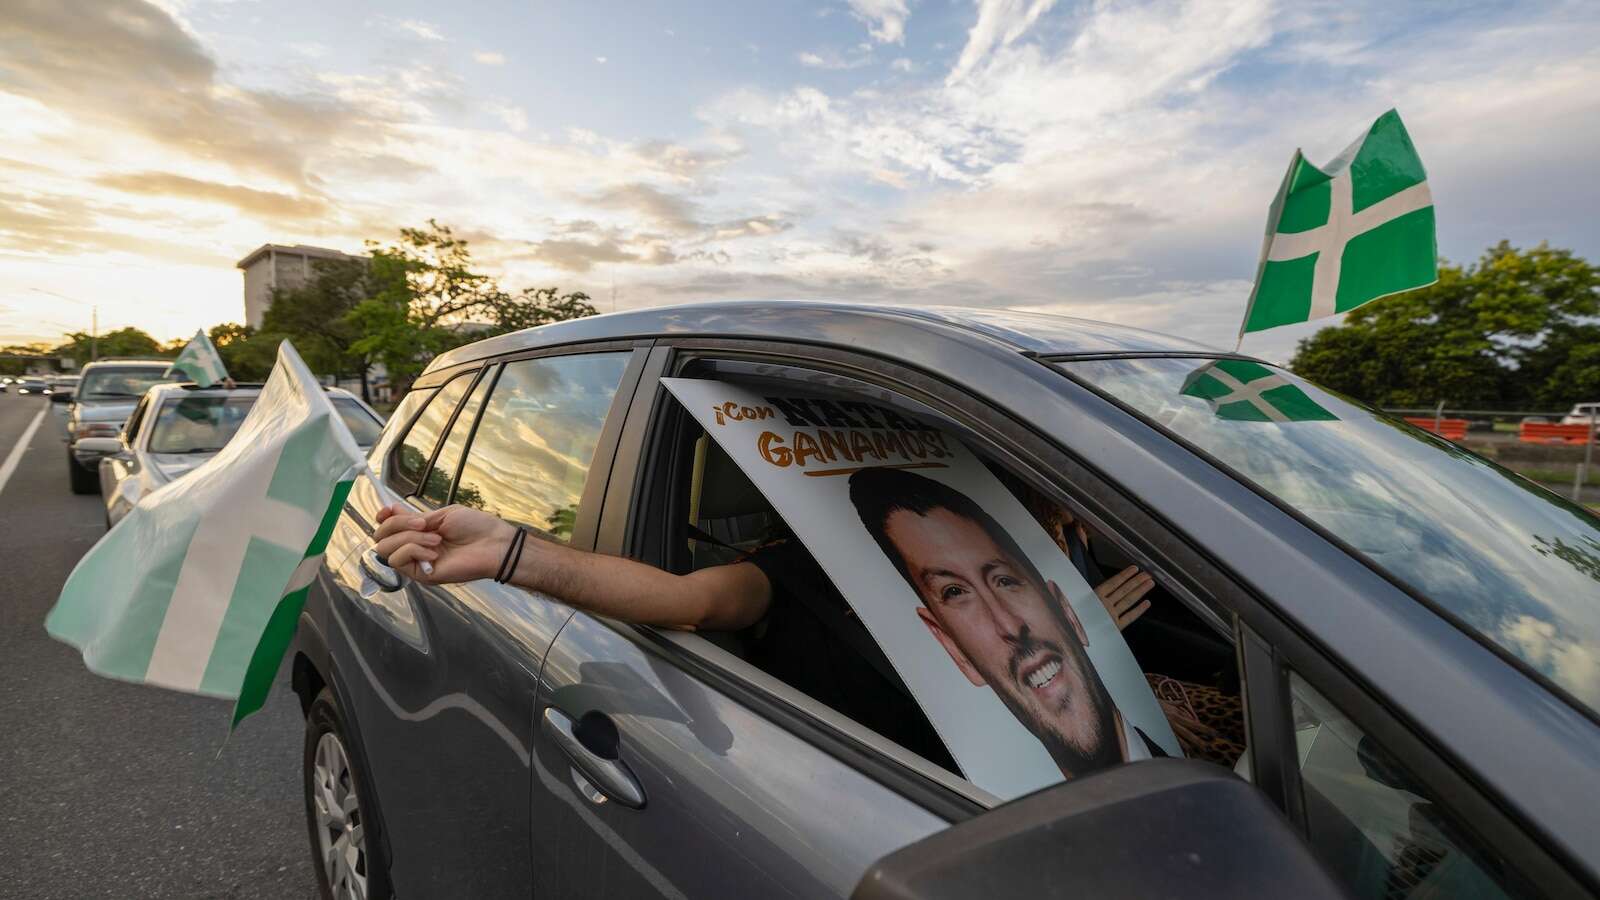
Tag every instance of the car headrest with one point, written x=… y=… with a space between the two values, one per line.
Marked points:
x=725 y=492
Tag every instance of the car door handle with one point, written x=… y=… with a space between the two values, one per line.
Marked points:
x=377 y=569
x=591 y=745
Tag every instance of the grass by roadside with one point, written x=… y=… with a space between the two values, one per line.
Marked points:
x=1559 y=476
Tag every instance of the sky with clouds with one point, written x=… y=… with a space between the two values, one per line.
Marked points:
x=1105 y=159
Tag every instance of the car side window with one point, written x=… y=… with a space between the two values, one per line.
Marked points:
x=397 y=423
x=529 y=458
x=1373 y=824
x=130 y=430
x=411 y=457
x=436 y=486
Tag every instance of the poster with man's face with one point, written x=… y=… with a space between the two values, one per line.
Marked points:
x=1014 y=660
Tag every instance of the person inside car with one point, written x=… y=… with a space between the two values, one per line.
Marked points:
x=808 y=635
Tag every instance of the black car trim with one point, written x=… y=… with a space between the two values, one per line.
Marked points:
x=492 y=374
x=444 y=438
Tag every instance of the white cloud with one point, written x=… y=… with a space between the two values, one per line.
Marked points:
x=425 y=30
x=903 y=65
x=833 y=60
x=886 y=19
x=1000 y=22
x=600 y=59
x=489 y=58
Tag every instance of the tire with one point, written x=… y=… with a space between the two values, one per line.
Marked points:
x=330 y=779
x=84 y=481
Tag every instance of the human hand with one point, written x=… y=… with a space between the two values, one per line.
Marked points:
x=1123 y=595
x=459 y=543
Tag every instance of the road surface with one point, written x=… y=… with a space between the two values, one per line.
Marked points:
x=110 y=789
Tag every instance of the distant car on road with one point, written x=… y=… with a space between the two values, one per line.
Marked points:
x=60 y=388
x=31 y=385
x=105 y=395
x=1581 y=414
x=176 y=427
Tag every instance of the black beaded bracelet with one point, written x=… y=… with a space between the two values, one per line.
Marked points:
x=508 y=565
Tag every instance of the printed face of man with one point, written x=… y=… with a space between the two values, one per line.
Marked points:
x=1006 y=630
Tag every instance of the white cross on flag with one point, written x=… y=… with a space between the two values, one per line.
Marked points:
x=1246 y=391
x=200 y=586
x=1359 y=228
x=201 y=361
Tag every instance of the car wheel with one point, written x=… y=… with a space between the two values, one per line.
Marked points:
x=346 y=867
x=84 y=481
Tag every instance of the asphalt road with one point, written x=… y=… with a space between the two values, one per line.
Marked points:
x=110 y=789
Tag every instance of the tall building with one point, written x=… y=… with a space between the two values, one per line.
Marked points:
x=272 y=266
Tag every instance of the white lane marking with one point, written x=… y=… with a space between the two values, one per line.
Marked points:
x=15 y=459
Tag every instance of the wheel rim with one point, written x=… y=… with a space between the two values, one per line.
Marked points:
x=341 y=832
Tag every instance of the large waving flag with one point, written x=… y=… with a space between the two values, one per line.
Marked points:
x=1359 y=228
x=1245 y=391
x=200 y=361
x=200 y=587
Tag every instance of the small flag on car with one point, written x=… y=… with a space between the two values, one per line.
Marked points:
x=1340 y=235
x=199 y=588
x=1245 y=391
x=200 y=361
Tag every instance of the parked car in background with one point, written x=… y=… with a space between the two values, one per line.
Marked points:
x=1581 y=414
x=106 y=393
x=1413 y=677
x=176 y=427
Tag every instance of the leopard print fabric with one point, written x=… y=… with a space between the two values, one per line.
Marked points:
x=1219 y=735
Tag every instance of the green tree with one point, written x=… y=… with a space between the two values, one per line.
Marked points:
x=423 y=297
x=1510 y=330
x=317 y=317
x=121 y=342
x=247 y=355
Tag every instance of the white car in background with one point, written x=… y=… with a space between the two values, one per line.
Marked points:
x=176 y=427
x=1581 y=414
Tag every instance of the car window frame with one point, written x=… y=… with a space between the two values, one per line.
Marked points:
x=917 y=779
x=408 y=491
x=483 y=374
x=130 y=428
x=592 y=499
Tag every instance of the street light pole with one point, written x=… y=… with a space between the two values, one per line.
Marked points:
x=94 y=333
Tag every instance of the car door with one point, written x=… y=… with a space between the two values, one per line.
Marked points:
x=441 y=679
x=667 y=767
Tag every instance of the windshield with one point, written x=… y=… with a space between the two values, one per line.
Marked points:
x=1512 y=561
x=360 y=422
x=127 y=381
x=198 y=424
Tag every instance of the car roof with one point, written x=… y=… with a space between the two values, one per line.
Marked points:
x=845 y=324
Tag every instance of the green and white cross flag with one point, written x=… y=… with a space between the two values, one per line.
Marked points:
x=1359 y=228
x=200 y=361
x=1246 y=391
x=200 y=586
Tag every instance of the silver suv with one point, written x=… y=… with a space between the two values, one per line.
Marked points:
x=106 y=394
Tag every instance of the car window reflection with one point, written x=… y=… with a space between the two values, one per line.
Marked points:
x=1508 y=559
x=531 y=453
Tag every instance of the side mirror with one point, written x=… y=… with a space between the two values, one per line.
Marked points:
x=59 y=397
x=1156 y=828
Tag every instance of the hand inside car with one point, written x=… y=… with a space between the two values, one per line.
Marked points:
x=1123 y=595
x=461 y=543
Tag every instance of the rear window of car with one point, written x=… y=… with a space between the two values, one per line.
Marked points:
x=1506 y=558
x=198 y=424
x=120 y=382
x=361 y=423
